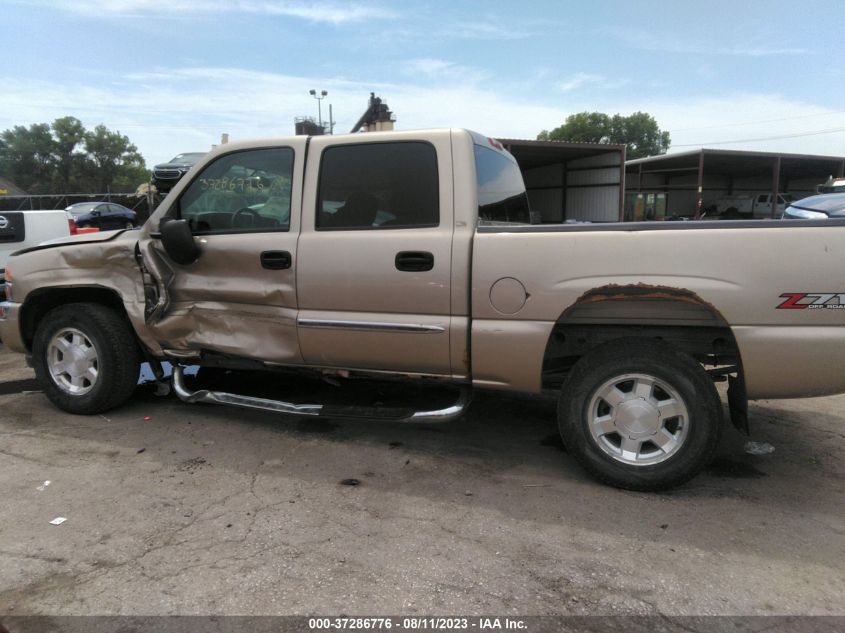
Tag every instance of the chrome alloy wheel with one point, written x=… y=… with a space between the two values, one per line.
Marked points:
x=638 y=419
x=73 y=362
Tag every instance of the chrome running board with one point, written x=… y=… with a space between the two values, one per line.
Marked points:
x=319 y=410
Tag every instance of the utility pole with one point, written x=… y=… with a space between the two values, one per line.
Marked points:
x=319 y=99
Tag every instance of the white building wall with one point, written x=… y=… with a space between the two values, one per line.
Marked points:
x=599 y=200
x=594 y=204
x=590 y=194
x=547 y=176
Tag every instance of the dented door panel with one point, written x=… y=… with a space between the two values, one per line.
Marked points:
x=230 y=301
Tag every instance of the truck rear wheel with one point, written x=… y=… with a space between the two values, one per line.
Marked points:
x=86 y=358
x=638 y=414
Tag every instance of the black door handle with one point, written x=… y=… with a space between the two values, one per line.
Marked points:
x=414 y=261
x=276 y=260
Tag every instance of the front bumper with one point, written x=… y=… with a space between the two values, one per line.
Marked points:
x=10 y=331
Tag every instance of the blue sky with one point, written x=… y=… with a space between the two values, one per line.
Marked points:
x=173 y=75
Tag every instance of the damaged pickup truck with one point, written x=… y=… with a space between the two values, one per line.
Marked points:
x=411 y=255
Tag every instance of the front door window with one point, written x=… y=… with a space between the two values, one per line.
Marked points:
x=248 y=191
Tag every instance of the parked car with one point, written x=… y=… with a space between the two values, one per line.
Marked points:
x=833 y=185
x=106 y=216
x=821 y=207
x=168 y=174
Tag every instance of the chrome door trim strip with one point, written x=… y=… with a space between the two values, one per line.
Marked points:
x=369 y=326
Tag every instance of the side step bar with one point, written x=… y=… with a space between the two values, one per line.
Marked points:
x=314 y=410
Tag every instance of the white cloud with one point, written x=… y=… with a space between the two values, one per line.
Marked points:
x=578 y=80
x=442 y=70
x=320 y=11
x=166 y=112
x=672 y=44
x=487 y=29
x=589 y=80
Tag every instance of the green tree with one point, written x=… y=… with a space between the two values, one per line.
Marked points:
x=69 y=135
x=113 y=161
x=64 y=157
x=26 y=157
x=584 y=127
x=638 y=131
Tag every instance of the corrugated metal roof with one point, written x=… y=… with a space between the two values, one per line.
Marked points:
x=727 y=152
x=559 y=144
x=533 y=153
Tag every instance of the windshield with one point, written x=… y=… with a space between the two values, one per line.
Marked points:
x=189 y=158
x=831 y=204
x=81 y=208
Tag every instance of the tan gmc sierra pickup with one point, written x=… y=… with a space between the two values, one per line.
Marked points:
x=411 y=254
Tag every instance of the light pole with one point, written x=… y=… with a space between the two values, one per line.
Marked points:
x=319 y=99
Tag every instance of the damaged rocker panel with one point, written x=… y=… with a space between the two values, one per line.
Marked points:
x=446 y=414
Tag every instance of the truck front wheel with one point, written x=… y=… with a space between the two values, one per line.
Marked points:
x=638 y=414
x=86 y=358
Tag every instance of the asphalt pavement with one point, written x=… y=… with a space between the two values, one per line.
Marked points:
x=198 y=509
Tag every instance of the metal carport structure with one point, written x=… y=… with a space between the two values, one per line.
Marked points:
x=695 y=180
x=572 y=181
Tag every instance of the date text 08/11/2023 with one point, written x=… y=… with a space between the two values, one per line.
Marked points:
x=417 y=623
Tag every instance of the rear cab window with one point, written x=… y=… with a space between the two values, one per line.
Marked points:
x=502 y=199
x=372 y=186
x=241 y=192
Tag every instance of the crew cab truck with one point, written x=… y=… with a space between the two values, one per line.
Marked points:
x=411 y=255
x=747 y=206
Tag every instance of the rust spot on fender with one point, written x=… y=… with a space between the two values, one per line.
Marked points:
x=618 y=292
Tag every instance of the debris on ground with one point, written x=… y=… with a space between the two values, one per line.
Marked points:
x=58 y=520
x=759 y=448
x=147 y=418
x=350 y=482
x=43 y=486
x=140 y=450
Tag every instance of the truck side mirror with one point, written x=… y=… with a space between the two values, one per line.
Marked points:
x=178 y=242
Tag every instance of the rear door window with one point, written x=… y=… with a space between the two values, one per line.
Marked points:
x=370 y=186
x=241 y=192
x=501 y=191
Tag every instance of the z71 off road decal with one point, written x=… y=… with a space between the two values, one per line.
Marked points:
x=812 y=301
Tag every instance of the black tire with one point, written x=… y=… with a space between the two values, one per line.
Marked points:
x=680 y=372
x=118 y=357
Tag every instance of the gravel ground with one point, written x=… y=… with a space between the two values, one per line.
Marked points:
x=191 y=509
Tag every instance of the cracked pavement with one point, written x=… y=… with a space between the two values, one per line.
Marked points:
x=228 y=511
